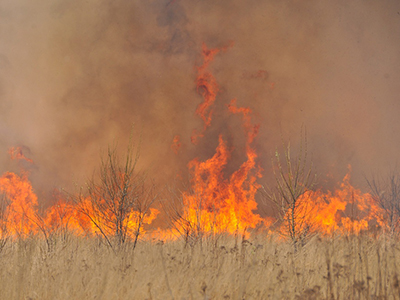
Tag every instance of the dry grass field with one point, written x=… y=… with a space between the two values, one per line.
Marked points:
x=262 y=267
x=235 y=125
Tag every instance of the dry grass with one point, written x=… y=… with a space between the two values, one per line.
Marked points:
x=261 y=268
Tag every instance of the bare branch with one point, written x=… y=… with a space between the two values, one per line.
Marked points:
x=293 y=178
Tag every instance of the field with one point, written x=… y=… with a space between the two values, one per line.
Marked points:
x=262 y=267
x=206 y=149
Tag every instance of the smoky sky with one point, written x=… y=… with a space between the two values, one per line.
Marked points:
x=75 y=76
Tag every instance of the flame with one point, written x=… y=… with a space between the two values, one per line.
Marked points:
x=219 y=203
x=21 y=216
x=176 y=144
x=65 y=217
x=216 y=204
x=345 y=210
x=208 y=88
x=16 y=153
x=90 y=222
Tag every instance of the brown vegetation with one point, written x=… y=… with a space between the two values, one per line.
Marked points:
x=294 y=177
x=262 y=267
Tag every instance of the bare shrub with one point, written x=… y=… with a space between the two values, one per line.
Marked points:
x=293 y=177
x=386 y=193
x=118 y=201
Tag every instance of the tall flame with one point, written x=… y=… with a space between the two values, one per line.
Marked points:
x=208 y=88
x=20 y=213
x=218 y=202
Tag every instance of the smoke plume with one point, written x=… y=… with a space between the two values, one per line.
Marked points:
x=76 y=75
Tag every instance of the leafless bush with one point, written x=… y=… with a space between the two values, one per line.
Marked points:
x=118 y=202
x=386 y=194
x=293 y=177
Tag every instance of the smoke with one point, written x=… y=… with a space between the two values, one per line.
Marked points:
x=75 y=76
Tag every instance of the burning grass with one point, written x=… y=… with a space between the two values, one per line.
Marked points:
x=119 y=202
x=262 y=267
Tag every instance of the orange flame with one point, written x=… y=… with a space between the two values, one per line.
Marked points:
x=16 y=153
x=218 y=204
x=208 y=88
x=21 y=210
x=21 y=216
x=176 y=144
x=345 y=210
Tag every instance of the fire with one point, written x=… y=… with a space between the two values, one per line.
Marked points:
x=21 y=203
x=217 y=202
x=65 y=217
x=176 y=144
x=20 y=212
x=90 y=222
x=345 y=210
x=16 y=153
x=20 y=215
x=208 y=88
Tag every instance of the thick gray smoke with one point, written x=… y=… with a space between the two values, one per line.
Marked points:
x=75 y=75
